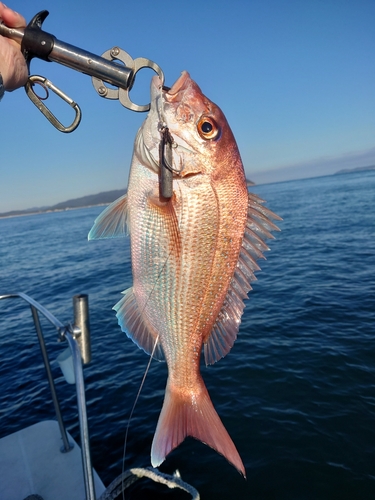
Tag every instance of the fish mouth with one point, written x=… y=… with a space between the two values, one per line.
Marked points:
x=171 y=93
x=179 y=84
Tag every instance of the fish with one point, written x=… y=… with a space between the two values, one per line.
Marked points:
x=193 y=255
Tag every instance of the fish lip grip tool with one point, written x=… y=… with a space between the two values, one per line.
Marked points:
x=115 y=67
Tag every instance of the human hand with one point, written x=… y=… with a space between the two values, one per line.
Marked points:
x=13 y=66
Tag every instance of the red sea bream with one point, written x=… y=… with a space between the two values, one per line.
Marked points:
x=193 y=256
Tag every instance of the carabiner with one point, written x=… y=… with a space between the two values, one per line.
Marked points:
x=44 y=82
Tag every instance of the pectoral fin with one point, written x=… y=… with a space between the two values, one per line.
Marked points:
x=165 y=224
x=112 y=222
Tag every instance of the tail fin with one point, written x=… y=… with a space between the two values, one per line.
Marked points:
x=183 y=416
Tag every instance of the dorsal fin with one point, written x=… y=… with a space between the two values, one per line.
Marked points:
x=131 y=322
x=112 y=222
x=224 y=332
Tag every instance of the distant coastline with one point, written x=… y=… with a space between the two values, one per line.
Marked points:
x=92 y=200
x=351 y=170
x=107 y=197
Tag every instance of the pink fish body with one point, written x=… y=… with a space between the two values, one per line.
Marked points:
x=193 y=256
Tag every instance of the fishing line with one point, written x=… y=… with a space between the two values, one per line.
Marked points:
x=133 y=408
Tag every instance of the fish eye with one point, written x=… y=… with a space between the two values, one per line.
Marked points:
x=207 y=128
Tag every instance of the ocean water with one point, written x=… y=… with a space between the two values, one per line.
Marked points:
x=297 y=391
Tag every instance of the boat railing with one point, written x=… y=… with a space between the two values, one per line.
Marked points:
x=77 y=336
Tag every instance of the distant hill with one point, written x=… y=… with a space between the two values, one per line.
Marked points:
x=104 y=198
x=358 y=169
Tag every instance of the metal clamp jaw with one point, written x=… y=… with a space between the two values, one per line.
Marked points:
x=122 y=93
x=37 y=43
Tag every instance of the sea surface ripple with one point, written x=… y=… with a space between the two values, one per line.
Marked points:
x=297 y=391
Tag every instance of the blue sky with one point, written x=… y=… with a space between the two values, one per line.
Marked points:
x=295 y=78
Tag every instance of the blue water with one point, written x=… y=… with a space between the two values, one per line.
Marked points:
x=297 y=391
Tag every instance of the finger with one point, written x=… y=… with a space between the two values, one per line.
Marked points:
x=11 y=18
